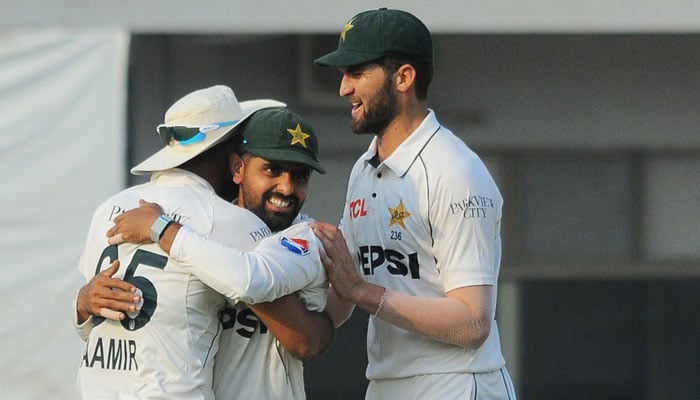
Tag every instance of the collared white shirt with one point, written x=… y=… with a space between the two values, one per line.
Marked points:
x=262 y=369
x=423 y=222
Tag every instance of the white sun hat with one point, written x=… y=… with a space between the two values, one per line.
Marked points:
x=197 y=122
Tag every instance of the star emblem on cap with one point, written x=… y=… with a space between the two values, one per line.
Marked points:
x=298 y=136
x=346 y=28
x=398 y=214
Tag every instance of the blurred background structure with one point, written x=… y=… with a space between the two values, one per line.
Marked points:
x=587 y=114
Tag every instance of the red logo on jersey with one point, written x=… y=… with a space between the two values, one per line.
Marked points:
x=357 y=208
x=295 y=245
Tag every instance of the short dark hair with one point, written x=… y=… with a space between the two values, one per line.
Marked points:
x=236 y=142
x=424 y=72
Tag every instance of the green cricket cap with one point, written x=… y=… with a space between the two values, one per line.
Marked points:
x=278 y=134
x=371 y=35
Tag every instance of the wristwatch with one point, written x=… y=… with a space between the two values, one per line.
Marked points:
x=159 y=226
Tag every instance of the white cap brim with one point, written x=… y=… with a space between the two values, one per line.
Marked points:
x=174 y=155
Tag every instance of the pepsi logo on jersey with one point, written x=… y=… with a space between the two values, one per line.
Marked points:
x=373 y=257
x=247 y=321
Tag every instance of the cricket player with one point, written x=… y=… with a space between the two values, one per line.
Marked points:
x=276 y=151
x=422 y=218
x=164 y=346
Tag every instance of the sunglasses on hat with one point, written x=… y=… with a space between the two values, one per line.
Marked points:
x=186 y=135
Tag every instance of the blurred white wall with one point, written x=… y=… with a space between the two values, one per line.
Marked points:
x=254 y=16
x=62 y=146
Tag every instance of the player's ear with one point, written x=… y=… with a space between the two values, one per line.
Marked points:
x=237 y=167
x=405 y=78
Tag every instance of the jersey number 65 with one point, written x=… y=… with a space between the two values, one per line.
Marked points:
x=150 y=295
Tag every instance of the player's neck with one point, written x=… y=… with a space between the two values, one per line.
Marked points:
x=398 y=131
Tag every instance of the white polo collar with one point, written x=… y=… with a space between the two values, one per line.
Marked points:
x=408 y=151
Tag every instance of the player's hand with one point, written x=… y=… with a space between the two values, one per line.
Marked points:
x=134 y=226
x=337 y=260
x=106 y=296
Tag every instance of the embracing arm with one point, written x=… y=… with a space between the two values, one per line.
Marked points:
x=106 y=296
x=338 y=309
x=463 y=318
x=298 y=327
x=305 y=334
x=134 y=226
x=103 y=296
x=278 y=266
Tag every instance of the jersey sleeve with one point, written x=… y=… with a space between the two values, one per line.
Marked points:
x=95 y=242
x=466 y=217
x=88 y=270
x=83 y=330
x=315 y=295
x=283 y=263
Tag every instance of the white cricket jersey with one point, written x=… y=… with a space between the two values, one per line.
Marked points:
x=251 y=363
x=166 y=350
x=424 y=222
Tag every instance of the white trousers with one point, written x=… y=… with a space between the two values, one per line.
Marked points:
x=495 y=385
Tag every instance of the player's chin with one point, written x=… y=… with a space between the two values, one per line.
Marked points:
x=278 y=221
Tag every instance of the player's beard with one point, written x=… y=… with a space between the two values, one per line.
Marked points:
x=380 y=110
x=276 y=221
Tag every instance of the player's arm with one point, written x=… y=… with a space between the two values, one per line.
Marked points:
x=134 y=226
x=305 y=334
x=264 y=274
x=106 y=296
x=338 y=309
x=463 y=318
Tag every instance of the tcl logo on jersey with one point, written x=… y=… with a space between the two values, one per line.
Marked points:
x=373 y=257
x=357 y=208
x=229 y=317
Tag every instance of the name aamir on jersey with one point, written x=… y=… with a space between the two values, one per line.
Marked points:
x=117 y=354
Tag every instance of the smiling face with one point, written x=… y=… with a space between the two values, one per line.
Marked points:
x=274 y=191
x=371 y=92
